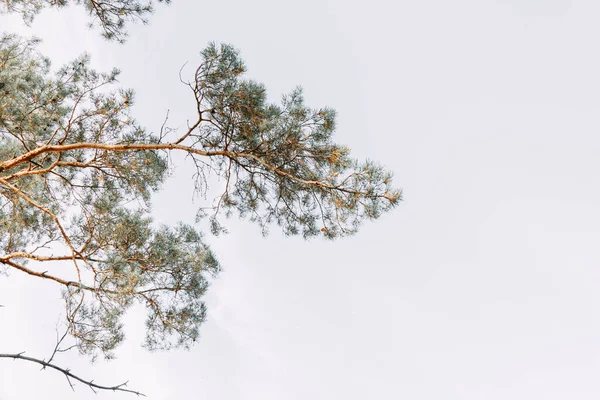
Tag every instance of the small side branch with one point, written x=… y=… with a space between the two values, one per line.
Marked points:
x=69 y=375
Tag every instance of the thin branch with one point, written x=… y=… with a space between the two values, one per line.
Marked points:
x=70 y=375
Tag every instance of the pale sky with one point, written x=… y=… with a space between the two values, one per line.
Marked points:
x=482 y=284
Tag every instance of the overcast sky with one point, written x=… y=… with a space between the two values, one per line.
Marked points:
x=482 y=284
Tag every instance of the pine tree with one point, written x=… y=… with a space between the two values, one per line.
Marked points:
x=77 y=173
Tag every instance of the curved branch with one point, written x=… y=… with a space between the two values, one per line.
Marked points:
x=69 y=375
x=174 y=146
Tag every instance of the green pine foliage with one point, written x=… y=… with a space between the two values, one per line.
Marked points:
x=77 y=173
x=111 y=16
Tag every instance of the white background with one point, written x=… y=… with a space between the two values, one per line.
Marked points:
x=482 y=284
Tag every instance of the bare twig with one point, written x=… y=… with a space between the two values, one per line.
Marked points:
x=69 y=375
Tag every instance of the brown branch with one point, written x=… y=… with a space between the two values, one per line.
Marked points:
x=174 y=146
x=31 y=256
x=45 y=275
